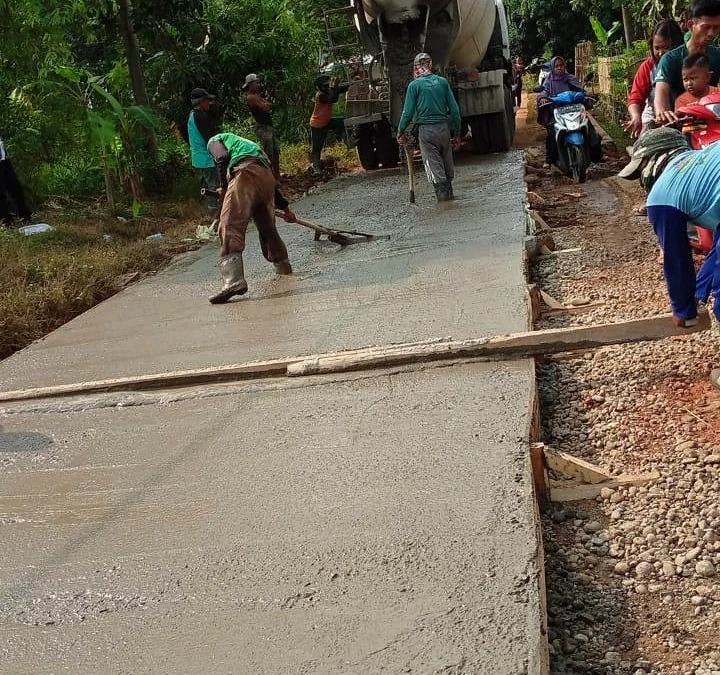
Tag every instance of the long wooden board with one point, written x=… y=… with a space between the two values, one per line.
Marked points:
x=518 y=345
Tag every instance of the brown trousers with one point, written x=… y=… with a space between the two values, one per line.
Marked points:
x=251 y=194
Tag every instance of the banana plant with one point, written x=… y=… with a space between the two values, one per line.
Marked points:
x=114 y=130
x=602 y=35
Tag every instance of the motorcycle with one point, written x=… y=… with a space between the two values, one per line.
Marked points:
x=701 y=123
x=572 y=132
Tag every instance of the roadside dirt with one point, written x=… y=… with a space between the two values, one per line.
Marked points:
x=634 y=577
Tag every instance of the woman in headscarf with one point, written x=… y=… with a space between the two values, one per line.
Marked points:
x=557 y=82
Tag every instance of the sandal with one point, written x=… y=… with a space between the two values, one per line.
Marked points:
x=685 y=323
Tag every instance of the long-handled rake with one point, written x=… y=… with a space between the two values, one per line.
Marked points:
x=342 y=237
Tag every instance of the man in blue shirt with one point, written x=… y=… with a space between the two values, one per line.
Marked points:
x=430 y=102
x=683 y=187
x=704 y=25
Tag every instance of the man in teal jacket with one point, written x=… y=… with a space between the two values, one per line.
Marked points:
x=201 y=127
x=430 y=102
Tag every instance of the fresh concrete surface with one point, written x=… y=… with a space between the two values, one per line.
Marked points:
x=453 y=270
x=368 y=523
x=354 y=527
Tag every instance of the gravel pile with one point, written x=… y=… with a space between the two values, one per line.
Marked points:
x=634 y=576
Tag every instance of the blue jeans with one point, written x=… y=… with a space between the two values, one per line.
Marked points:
x=670 y=225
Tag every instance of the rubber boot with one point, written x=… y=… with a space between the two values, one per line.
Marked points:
x=233 y=275
x=449 y=190
x=283 y=267
x=439 y=191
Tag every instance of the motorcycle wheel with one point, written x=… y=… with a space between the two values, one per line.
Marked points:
x=578 y=165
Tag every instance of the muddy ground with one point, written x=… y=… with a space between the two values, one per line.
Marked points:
x=634 y=576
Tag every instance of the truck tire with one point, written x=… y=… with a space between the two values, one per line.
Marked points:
x=365 y=148
x=503 y=126
x=480 y=133
x=386 y=146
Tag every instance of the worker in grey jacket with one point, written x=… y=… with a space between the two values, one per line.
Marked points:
x=430 y=102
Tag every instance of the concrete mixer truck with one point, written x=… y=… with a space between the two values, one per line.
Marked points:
x=468 y=41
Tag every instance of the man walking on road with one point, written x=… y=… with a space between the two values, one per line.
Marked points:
x=201 y=127
x=261 y=110
x=430 y=102
x=248 y=190
x=322 y=120
x=683 y=187
x=704 y=24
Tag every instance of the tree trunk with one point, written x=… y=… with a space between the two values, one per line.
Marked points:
x=108 y=183
x=628 y=25
x=137 y=77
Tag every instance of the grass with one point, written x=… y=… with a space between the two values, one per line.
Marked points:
x=52 y=277
x=295 y=159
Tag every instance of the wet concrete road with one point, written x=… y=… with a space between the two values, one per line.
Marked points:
x=374 y=522
x=454 y=271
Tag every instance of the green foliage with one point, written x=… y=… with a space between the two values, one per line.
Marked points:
x=613 y=106
x=66 y=103
x=553 y=27
x=604 y=36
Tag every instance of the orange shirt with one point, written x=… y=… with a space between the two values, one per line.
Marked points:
x=322 y=113
x=687 y=98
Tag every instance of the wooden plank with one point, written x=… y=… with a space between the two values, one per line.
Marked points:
x=534 y=304
x=519 y=345
x=551 y=302
x=276 y=367
x=574 y=467
x=179 y=378
x=562 y=251
x=540 y=221
x=575 y=309
x=540 y=479
x=576 y=493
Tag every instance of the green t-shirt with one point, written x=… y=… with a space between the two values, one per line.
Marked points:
x=430 y=100
x=670 y=67
x=238 y=148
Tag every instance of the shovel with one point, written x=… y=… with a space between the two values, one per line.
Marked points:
x=336 y=236
x=411 y=170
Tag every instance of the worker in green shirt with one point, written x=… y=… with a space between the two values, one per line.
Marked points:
x=430 y=102
x=248 y=190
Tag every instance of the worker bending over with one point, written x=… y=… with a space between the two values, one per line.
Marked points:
x=248 y=190
x=683 y=186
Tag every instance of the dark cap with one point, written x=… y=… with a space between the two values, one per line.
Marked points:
x=322 y=80
x=197 y=95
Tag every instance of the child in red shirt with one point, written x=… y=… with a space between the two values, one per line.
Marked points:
x=696 y=80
